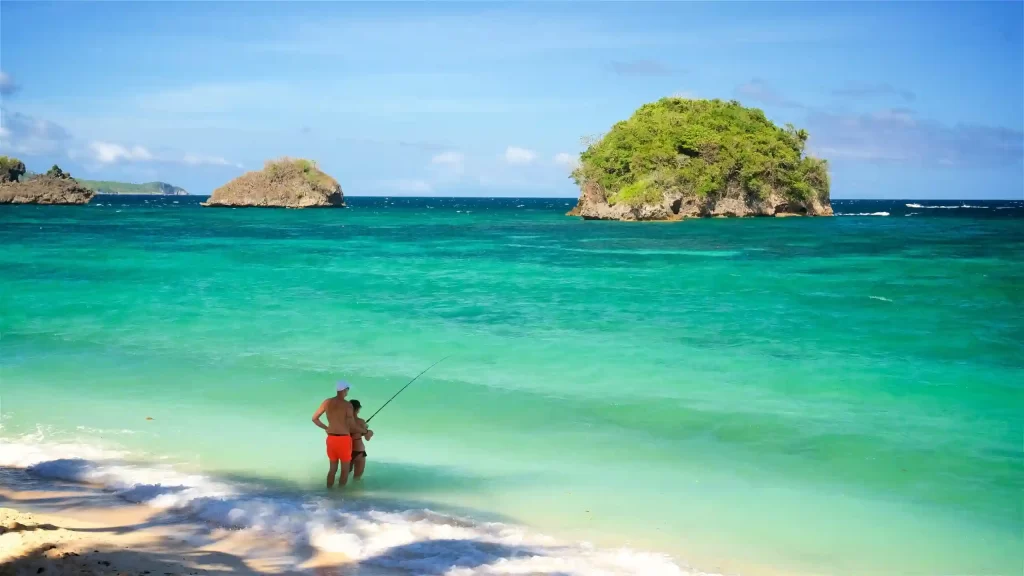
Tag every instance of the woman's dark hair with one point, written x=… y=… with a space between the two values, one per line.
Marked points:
x=356 y=405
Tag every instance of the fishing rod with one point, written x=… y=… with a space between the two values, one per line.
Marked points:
x=406 y=386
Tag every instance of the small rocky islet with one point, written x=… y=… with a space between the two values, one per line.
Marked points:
x=282 y=183
x=683 y=158
x=54 y=187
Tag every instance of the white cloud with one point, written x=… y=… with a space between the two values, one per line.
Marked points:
x=110 y=153
x=686 y=94
x=516 y=155
x=7 y=85
x=897 y=135
x=451 y=161
x=566 y=159
x=198 y=160
x=30 y=136
x=26 y=135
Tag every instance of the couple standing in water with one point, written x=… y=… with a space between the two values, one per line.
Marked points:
x=345 y=433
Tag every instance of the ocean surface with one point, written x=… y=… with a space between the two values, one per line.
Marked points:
x=801 y=396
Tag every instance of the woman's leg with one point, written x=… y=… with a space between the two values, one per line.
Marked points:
x=359 y=465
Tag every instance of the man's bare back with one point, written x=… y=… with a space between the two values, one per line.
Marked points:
x=340 y=417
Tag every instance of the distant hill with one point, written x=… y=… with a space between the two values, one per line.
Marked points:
x=108 y=187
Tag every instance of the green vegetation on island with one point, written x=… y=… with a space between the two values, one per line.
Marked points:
x=11 y=169
x=110 y=187
x=54 y=187
x=679 y=157
x=285 y=183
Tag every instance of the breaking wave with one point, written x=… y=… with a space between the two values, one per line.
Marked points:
x=944 y=207
x=410 y=541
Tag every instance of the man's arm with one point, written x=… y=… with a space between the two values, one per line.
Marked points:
x=320 y=412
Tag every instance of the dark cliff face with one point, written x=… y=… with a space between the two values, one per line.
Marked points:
x=732 y=202
x=45 y=190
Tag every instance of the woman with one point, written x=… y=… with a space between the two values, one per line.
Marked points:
x=359 y=431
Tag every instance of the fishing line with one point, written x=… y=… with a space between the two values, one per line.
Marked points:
x=406 y=386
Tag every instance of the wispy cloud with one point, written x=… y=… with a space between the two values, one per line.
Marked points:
x=897 y=135
x=30 y=136
x=110 y=153
x=566 y=159
x=211 y=98
x=517 y=155
x=873 y=90
x=200 y=160
x=7 y=84
x=451 y=161
x=758 y=90
x=640 y=68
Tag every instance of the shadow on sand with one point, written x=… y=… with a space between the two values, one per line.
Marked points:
x=188 y=551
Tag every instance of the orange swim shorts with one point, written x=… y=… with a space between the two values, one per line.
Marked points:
x=339 y=448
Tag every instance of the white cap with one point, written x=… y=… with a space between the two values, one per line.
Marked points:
x=342 y=385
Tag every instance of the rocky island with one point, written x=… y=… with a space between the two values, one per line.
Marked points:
x=284 y=183
x=683 y=158
x=54 y=187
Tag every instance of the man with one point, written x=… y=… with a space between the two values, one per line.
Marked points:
x=340 y=422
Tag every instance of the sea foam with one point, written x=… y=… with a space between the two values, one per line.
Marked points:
x=945 y=207
x=411 y=541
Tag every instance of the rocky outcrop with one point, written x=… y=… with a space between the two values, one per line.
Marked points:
x=733 y=202
x=45 y=189
x=690 y=158
x=284 y=183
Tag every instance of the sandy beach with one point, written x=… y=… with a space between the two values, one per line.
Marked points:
x=64 y=528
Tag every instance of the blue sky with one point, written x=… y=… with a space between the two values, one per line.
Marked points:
x=906 y=100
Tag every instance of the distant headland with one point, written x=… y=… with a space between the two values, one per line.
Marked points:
x=148 y=188
x=22 y=186
x=682 y=158
x=283 y=183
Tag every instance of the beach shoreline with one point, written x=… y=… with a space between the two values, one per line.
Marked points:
x=52 y=527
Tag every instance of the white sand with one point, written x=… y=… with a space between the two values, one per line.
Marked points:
x=75 y=530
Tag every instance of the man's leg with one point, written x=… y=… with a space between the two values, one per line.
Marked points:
x=343 y=479
x=331 y=472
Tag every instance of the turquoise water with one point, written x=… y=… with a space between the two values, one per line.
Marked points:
x=838 y=395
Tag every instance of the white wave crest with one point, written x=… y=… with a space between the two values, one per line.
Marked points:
x=882 y=298
x=862 y=214
x=411 y=541
x=945 y=207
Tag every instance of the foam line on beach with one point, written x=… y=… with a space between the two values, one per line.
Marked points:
x=414 y=541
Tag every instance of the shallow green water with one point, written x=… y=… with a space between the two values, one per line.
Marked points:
x=838 y=395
